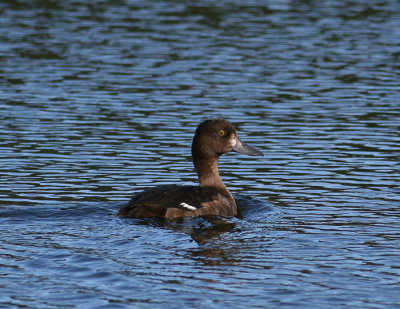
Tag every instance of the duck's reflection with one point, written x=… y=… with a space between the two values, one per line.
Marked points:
x=204 y=229
x=207 y=233
x=201 y=229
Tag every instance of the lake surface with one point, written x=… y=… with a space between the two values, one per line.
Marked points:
x=100 y=99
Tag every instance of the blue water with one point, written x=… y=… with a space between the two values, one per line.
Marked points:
x=100 y=99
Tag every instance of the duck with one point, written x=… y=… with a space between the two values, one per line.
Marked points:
x=213 y=138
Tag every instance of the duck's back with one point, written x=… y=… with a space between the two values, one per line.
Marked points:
x=173 y=201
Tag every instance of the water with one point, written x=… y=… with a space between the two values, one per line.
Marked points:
x=100 y=99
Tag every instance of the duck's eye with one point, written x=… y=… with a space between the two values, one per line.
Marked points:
x=222 y=132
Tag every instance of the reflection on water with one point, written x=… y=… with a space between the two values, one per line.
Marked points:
x=202 y=229
x=100 y=99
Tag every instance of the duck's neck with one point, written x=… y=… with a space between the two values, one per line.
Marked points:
x=208 y=174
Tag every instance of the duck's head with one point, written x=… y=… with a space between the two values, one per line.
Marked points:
x=215 y=137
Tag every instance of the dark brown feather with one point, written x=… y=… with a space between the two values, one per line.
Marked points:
x=165 y=201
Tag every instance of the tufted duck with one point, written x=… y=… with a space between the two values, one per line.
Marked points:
x=212 y=139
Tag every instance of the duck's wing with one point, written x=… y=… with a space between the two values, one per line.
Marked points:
x=151 y=202
x=177 y=201
x=200 y=201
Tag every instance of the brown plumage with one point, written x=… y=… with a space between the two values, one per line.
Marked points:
x=212 y=139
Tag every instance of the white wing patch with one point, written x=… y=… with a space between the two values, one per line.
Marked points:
x=187 y=206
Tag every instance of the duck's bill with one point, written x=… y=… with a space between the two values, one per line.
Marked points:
x=242 y=147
